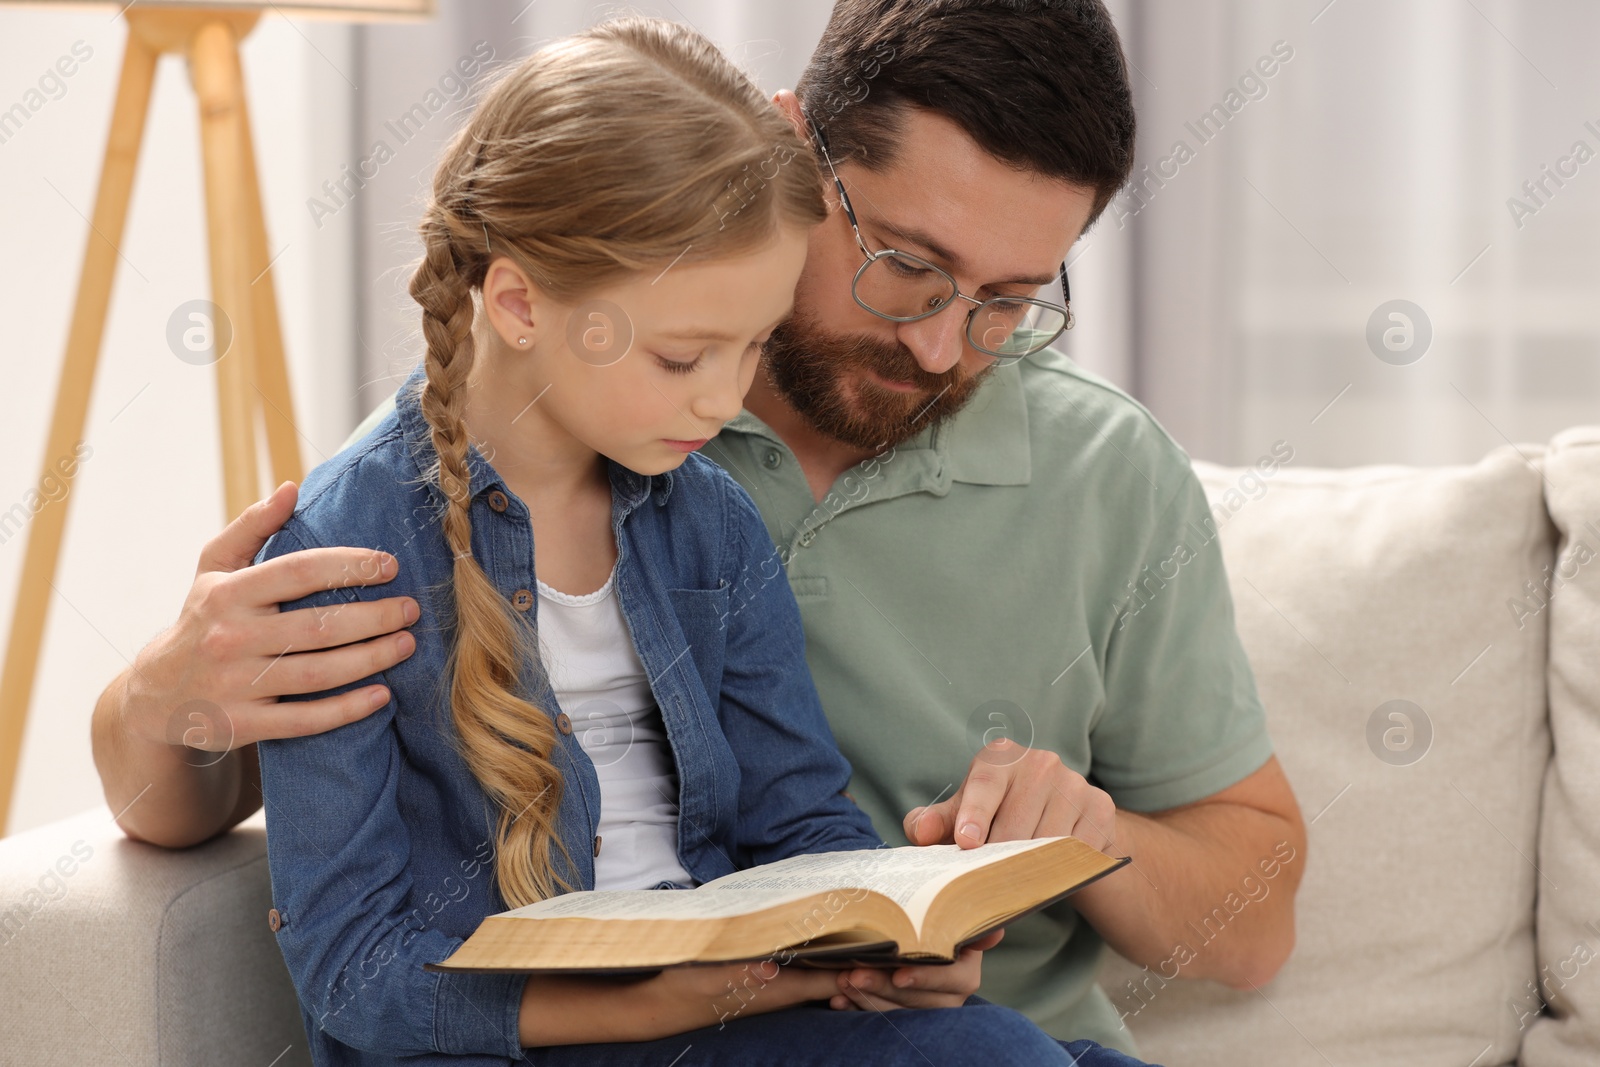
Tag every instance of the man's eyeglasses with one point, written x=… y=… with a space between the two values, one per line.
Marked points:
x=901 y=287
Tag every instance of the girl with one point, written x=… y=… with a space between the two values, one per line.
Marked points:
x=609 y=241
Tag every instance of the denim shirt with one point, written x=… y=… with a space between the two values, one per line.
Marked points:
x=379 y=839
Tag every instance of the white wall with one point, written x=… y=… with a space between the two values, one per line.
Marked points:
x=150 y=495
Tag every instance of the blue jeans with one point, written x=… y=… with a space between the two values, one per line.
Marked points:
x=977 y=1034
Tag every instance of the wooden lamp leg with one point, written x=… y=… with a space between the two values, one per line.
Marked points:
x=219 y=83
x=272 y=372
x=72 y=402
x=241 y=284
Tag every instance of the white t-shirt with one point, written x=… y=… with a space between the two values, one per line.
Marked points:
x=601 y=685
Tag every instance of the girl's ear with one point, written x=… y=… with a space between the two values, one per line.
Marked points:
x=516 y=307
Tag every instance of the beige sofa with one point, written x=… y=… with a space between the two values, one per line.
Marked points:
x=1427 y=643
x=1454 y=848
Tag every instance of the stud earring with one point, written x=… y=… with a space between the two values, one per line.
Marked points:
x=522 y=340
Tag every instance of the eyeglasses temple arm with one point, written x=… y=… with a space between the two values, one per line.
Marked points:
x=822 y=143
x=1066 y=297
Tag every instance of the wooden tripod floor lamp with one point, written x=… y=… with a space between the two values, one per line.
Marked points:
x=252 y=378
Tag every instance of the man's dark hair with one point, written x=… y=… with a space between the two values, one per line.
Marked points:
x=1039 y=84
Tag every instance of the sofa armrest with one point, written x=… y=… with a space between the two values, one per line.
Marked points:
x=116 y=952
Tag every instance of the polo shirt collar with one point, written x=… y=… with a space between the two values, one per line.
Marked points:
x=987 y=442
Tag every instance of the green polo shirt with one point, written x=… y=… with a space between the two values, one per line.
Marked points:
x=1043 y=566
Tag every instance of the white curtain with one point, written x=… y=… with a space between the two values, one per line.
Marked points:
x=1383 y=161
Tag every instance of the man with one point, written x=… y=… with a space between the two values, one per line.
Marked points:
x=994 y=552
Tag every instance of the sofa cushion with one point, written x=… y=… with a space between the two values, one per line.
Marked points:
x=118 y=953
x=1567 y=1032
x=1407 y=706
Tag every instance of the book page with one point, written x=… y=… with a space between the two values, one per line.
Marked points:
x=652 y=904
x=910 y=875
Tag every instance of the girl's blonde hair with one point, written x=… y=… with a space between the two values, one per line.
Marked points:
x=598 y=157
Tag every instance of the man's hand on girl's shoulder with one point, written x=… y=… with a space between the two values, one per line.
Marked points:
x=210 y=683
x=232 y=653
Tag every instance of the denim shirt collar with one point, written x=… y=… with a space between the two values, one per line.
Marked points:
x=629 y=489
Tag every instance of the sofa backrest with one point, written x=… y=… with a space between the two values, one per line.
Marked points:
x=1567 y=1033
x=1402 y=658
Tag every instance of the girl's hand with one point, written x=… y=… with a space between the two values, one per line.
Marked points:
x=931 y=986
x=559 y=1010
x=721 y=994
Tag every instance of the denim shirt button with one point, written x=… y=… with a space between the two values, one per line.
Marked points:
x=498 y=501
x=564 y=724
x=522 y=600
x=773 y=459
x=274 y=920
x=597 y=844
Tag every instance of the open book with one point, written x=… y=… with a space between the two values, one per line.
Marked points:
x=881 y=906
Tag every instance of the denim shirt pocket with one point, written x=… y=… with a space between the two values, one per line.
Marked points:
x=702 y=615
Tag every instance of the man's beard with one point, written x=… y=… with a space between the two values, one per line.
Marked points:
x=809 y=368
